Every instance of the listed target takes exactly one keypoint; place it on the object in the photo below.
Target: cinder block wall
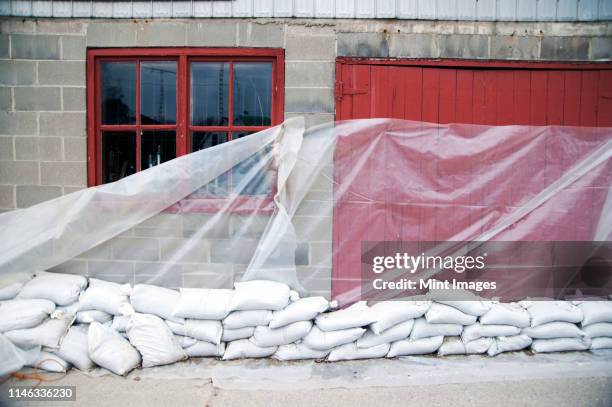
(42, 115)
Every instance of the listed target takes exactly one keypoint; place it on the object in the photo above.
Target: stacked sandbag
(597, 322)
(502, 323)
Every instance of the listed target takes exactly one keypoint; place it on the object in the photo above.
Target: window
(147, 106)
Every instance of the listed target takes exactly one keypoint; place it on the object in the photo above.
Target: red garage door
(489, 93)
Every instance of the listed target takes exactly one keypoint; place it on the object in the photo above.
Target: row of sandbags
(94, 322)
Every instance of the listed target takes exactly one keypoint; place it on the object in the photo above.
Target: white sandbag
(243, 319)
(62, 289)
(202, 349)
(244, 348)
(560, 344)
(445, 314)
(50, 362)
(303, 309)
(120, 323)
(74, 348)
(463, 300)
(476, 331)
(229, 335)
(87, 317)
(595, 312)
(105, 296)
(422, 346)
(185, 341)
(204, 303)
(395, 333)
(298, 351)
(350, 351)
(49, 334)
(601, 343)
(160, 301)
(324, 340)
(265, 336)
(553, 330)
(13, 358)
(23, 314)
(506, 314)
(598, 330)
(201, 329)
(509, 344)
(391, 313)
(542, 312)
(154, 340)
(260, 294)
(456, 346)
(11, 283)
(422, 329)
(110, 350)
(355, 316)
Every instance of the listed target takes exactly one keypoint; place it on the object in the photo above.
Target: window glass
(209, 93)
(200, 141)
(156, 147)
(252, 93)
(118, 92)
(253, 176)
(118, 155)
(158, 92)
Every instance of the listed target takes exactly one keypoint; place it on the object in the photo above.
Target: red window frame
(183, 128)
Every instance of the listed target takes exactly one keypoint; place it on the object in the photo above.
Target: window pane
(118, 155)
(252, 93)
(209, 93)
(158, 92)
(118, 92)
(156, 147)
(200, 141)
(253, 176)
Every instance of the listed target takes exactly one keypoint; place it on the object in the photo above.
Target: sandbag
(542, 312)
(204, 303)
(243, 319)
(105, 296)
(595, 312)
(445, 314)
(110, 350)
(422, 346)
(298, 351)
(506, 314)
(74, 348)
(154, 340)
(202, 349)
(601, 343)
(62, 289)
(11, 283)
(350, 351)
(265, 336)
(423, 329)
(260, 294)
(244, 348)
(303, 309)
(203, 330)
(395, 333)
(476, 331)
(150, 299)
(23, 314)
(509, 344)
(325, 340)
(391, 313)
(456, 346)
(560, 344)
(463, 300)
(13, 358)
(598, 330)
(120, 323)
(87, 317)
(229, 335)
(185, 341)
(50, 362)
(355, 316)
(553, 330)
(48, 334)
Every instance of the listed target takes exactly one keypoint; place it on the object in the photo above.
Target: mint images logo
(413, 264)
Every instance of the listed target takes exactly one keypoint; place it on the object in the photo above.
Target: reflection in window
(118, 155)
(252, 93)
(118, 92)
(253, 175)
(156, 147)
(209, 93)
(200, 141)
(158, 92)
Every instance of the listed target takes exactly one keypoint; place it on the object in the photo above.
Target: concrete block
(301, 254)
(261, 35)
(142, 269)
(237, 251)
(17, 26)
(413, 46)
(28, 195)
(62, 173)
(203, 223)
(371, 45)
(109, 33)
(102, 251)
(315, 208)
(61, 73)
(309, 100)
(6, 99)
(208, 276)
(185, 251)
(35, 46)
(211, 34)
(249, 226)
(74, 99)
(74, 47)
(71, 267)
(315, 278)
(313, 119)
(163, 220)
(464, 46)
(310, 47)
(157, 232)
(565, 48)
(54, 26)
(75, 149)
(37, 98)
(313, 228)
(18, 123)
(38, 148)
(320, 253)
(69, 190)
(19, 172)
(17, 72)
(513, 47)
(306, 74)
(104, 267)
(601, 48)
(158, 33)
(7, 196)
(4, 46)
(65, 124)
(6, 148)
(136, 248)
